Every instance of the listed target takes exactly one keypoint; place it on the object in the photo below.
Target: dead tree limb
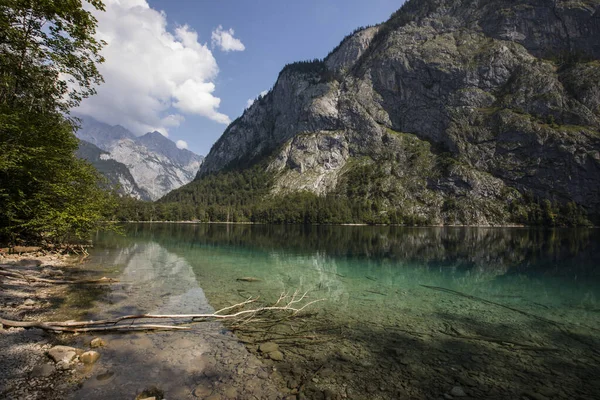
(292, 304)
(12, 274)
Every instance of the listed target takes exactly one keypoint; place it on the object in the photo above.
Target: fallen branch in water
(59, 327)
(12, 274)
(285, 303)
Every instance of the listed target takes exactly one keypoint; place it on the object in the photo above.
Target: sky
(187, 68)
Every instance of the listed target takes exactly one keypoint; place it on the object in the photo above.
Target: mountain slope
(154, 162)
(118, 174)
(463, 111)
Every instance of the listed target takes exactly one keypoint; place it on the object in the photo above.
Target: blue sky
(273, 33)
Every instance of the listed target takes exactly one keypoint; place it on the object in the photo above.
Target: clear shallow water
(408, 312)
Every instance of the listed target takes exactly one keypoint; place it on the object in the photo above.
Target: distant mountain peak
(155, 163)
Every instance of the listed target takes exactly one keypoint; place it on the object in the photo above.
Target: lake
(415, 313)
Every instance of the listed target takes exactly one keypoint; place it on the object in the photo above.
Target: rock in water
(65, 354)
(268, 347)
(202, 391)
(458, 391)
(276, 356)
(97, 342)
(89, 357)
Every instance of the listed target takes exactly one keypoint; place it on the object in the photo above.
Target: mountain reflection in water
(408, 312)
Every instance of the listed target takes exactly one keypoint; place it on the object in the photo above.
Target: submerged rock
(276, 356)
(268, 347)
(151, 393)
(202, 391)
(458, 391)
(89, 357)
(97, 342)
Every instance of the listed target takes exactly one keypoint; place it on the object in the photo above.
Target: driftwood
(286, 303)
(12, 274)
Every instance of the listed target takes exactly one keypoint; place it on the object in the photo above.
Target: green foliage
(46, 193)
(41, 40)
(315, 67)
(533, 211)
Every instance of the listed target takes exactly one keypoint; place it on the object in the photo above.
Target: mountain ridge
(154, 164)
(468, 112)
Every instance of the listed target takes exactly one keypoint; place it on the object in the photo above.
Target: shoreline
(504, 226)
(26, 369)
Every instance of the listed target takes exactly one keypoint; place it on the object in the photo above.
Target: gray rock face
(342, 59)
(117, 174)
(509, 91)
(145, 167)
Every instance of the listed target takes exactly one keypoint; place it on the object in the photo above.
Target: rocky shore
(35, 364)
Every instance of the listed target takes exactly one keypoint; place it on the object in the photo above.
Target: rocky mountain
(452, 111)
(154, 164)
(118, 174)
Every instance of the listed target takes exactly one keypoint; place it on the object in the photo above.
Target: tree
(49, 54)
(48, 64)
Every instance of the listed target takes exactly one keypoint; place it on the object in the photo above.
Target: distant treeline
(244, 196)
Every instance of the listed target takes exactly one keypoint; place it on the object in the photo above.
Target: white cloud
(149, 71)
(225, 40)
(181, 144)
(262, 94)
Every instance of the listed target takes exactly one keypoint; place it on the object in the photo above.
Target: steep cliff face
(155, 166)
(117, 174)
(459, 106)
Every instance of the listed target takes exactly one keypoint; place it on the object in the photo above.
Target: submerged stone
(458, 391)
(89, 357)
(276, 355)
(268, 347)
(97, 342)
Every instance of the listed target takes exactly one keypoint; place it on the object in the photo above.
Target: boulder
(65, 354)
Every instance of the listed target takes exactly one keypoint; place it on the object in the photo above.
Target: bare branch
(242, 317)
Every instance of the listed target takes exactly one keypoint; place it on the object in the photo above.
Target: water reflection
(464, 247)
(521, 312)
(156, 281)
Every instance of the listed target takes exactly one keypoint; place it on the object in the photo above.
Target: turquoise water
(405, 312)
